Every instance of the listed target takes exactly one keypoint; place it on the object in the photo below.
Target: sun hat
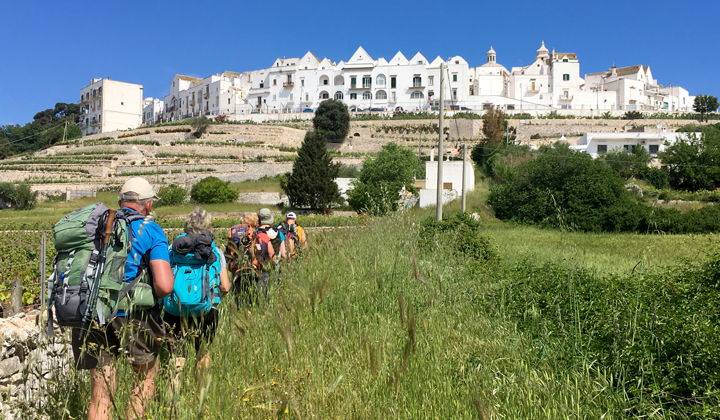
(265, 217)
(137, 189)
(291, 215)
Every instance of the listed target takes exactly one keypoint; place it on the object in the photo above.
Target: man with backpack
(138, 334)
(294, 234)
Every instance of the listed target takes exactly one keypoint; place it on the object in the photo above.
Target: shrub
(212, 190)
(18, 196)
(348, 171)
(493, 125)
(200, 124)
(633, 115)
(462, 234)
(535, 136)
(312, 181)
(171, 195)
(627, 164)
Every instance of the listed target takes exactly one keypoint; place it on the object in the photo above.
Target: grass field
(377, 323)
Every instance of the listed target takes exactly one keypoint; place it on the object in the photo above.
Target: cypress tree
(332, 118)
(312, 181)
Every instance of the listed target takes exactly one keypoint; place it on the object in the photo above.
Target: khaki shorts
(139, 337)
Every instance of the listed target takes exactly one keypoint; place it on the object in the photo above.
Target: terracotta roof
(188, 78)
(622, 71)
(232, 73)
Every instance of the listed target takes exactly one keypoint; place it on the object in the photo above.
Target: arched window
(339, 81)
(324, 80)
(380, 80)
(338, 95)
(367, 95)
(380, 94)
(324, 95)
(417, 95)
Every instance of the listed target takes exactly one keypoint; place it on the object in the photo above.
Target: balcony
(565, 98)
(206, 96)
(83, 100)
(364, 86)
(288, 85)
(416, 86)
(171, 108)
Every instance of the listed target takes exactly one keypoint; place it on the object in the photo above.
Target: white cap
(291, 215)
(137, 189)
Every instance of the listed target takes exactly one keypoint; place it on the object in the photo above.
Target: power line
(37, 134)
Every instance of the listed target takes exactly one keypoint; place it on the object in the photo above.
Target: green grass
(377, 323)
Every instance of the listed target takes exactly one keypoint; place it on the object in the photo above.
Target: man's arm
(163, 280)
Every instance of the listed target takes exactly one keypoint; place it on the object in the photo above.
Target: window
(566, 77)
(628, 148)
(454, 77)
(228, 101)
(353, 96)
(353, 82)
(431, 93)
(431, 80)
(602, 148)
(274, 97)
(381, 94)
(565, 60)
(207, 88)
(324, 95)
(274, 82)
(393, 82)
(416, 95)
(367, 95)
(338, 95)
(173, 84)
(367, 82)
(455, 94)
(307, 97)
(654, 148)
(393, 96)
(380, 80)
(417, 81)
(292, 97)
(262, 85)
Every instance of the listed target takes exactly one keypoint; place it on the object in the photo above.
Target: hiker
(241, 255)
(138, 333)
(294, 234)
(200, 278)
(269, 247)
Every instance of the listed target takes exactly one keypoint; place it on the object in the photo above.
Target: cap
(291, 215)
(138, 189)
(265, 217)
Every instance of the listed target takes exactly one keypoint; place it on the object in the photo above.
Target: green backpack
(87, 284)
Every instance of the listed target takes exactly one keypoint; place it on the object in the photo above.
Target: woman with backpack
(200, 272)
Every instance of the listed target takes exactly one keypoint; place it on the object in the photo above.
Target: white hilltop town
(297, 85)
(121, 137)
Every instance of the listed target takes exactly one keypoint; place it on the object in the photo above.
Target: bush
(171, 195)
(348, 171)
(200, 124)
(627, 164)
(18, 196)
(312, 180)
(462, 233)
(633, 115)
(212, 190)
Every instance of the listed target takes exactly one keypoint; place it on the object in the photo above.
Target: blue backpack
(196, 287)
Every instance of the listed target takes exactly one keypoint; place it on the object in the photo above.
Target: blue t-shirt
(147, 236)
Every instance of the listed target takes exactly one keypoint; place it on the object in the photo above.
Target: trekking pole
(43, 284)
(99, 268)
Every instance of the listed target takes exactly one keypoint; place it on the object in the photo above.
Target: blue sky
(50, 50)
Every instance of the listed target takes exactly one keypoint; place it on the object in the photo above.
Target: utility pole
(438, 213)
(64, 131)
(463, 176)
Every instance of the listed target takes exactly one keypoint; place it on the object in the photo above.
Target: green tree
(333, 120)
(493, 125)
(633, 115)
(705, 104)
(200, 125)
(212, 190)
(694, 163)
(18, 196)
(627, 165)
(47, 128)
(312, 181)
(561, 187)
(377, 189)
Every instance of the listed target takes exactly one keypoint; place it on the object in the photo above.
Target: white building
(152, 111)
(598, 143)
(109, 105)
(636, 89)
(452, 181)
(219, 94)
